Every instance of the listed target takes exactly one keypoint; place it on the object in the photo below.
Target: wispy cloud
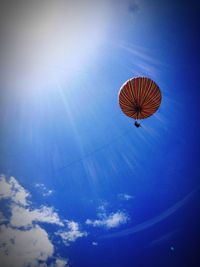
(152, 221)
(112, 220)
(44, 190)
(125, 197)
(61, 263)
(72, 233)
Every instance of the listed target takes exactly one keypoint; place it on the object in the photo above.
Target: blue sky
(74, 168)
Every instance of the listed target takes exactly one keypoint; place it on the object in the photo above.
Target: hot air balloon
(139, 98)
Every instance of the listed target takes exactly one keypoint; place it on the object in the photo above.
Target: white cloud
(47, 193)
(94, 243)
(44, 190)
(22, 217)
(61, 263)
(102, 208)
(20, 248)
(2, 218)
(112, 220)
(125, 197)
(11, 189)
(72, 233)
(39, 185)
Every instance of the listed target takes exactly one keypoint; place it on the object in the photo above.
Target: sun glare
(57, 35)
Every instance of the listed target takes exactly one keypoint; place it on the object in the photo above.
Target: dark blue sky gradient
(79, 143)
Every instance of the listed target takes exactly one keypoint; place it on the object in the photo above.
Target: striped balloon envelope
(139, 98)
